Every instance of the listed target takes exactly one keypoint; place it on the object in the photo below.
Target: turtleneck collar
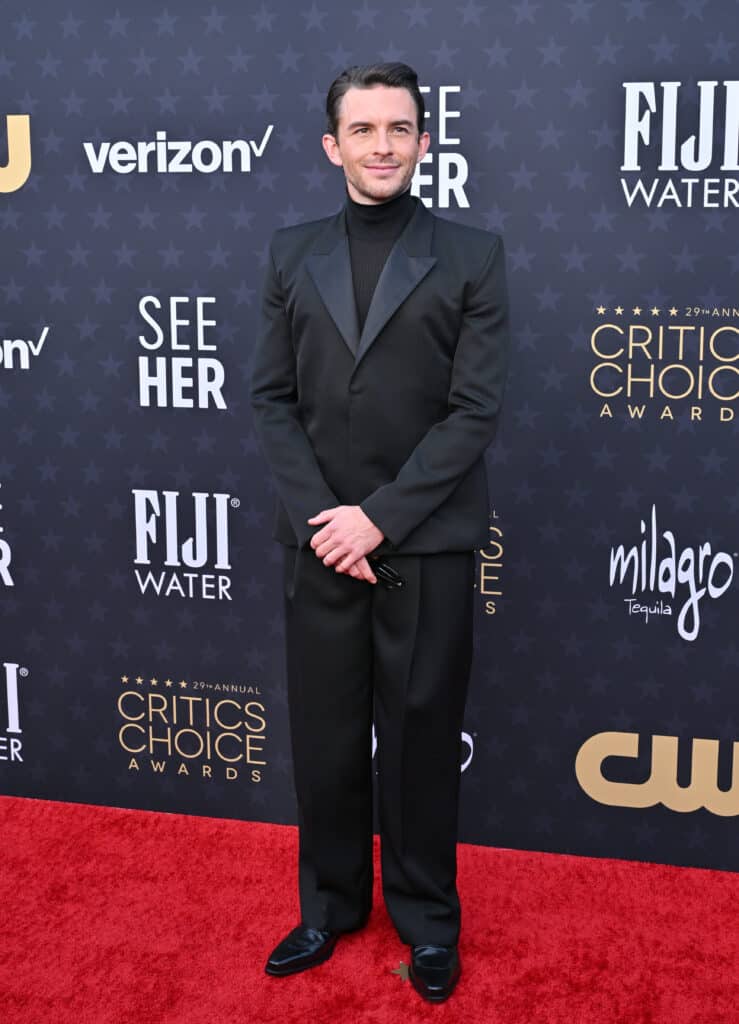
(379, 220)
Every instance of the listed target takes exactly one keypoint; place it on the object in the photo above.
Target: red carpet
(111, 916)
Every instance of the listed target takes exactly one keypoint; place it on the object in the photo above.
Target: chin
(381, 193)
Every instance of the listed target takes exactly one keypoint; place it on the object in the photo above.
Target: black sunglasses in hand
(385, 573)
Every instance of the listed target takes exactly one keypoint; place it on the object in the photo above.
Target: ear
(331, 149)
(424, 141)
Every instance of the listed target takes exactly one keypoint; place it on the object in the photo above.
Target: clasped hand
(346, 537)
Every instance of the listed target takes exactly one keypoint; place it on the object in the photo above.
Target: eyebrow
(368, 124)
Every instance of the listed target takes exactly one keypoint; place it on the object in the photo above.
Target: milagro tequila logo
(11, 744)
(161, 521)
(654, 572)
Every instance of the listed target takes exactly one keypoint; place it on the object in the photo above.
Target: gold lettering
(130, 693)
(257, 718)
(217, 714)
(14, 174)
(712, 344)
(682, 369)
(604, 366)
(252, 746)
(631, 379)
(227, 736)
(645, 343)
(121, 740)
(495, 549)
(662, 785)
(158, 706)
(487, 576)
(594, 335)
(712, 378)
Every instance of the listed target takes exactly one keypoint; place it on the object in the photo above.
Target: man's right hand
(361, 570)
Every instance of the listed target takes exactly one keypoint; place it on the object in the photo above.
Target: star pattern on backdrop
(541, 121)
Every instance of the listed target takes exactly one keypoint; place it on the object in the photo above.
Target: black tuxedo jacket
(395, 419)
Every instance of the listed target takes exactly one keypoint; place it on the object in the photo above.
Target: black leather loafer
(302, 948)
(434, 971)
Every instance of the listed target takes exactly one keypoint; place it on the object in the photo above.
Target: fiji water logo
(11, 739)
(656, 569)
(162, 523)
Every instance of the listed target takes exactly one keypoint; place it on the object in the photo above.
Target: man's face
(377, 142)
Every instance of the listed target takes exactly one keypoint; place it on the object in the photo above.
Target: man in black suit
(377, 380)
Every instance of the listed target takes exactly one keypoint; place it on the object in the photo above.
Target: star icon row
(139, 680)
(636, 310)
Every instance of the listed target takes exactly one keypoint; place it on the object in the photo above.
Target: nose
(383, 142)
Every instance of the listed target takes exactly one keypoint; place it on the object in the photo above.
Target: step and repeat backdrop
(146, 156)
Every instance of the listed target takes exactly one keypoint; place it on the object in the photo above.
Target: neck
(379, 219)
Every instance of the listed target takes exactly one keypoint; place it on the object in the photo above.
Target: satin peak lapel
(332, 274)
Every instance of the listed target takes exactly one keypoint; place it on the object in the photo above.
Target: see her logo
(14, 174)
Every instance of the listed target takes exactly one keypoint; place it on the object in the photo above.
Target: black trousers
(357, 650)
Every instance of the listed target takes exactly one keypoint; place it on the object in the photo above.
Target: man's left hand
(347, 536)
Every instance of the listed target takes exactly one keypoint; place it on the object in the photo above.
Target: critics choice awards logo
(693, 153)
(187, 727)
(659, 575)
(11, 743)
(185, 541)
(178, 325)
(490, 567)
(653, 363)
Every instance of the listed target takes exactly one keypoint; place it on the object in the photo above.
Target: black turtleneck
(373, 230)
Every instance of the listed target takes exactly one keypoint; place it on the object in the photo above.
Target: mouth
(381, 168)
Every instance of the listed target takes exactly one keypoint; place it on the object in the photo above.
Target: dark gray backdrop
(559, 659)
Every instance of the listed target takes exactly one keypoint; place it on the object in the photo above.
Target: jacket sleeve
(449, 449)
(274, 402)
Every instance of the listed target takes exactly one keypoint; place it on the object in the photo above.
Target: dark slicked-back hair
(391, 73)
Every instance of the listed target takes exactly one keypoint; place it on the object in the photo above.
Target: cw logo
(15, 172)
(662, 785)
